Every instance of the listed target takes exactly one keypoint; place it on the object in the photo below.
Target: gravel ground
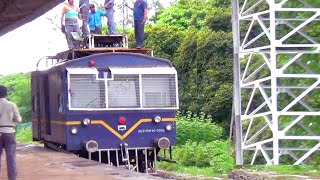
(38, 163)
(237, 175)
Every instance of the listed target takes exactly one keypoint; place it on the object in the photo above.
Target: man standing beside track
(9, 114)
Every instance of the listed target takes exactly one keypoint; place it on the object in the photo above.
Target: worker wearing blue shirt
(140, 15)
(95, 23)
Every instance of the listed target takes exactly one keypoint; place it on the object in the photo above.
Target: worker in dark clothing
(108, 4)
(9, 115)
(69, 23)
(140, 12)
(84, 11)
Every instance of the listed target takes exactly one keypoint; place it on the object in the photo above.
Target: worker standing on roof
(95, 22)
(108, 4)
(69, 23)
(140, 12)
(84, 11)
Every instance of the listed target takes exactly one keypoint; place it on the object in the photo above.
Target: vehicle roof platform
(148, 51)
(96, 44)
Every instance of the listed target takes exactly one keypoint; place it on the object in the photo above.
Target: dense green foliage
(215, 154)
(24, 133)
(196, 13)
(19, 91)
(197, 128)
(199, 145)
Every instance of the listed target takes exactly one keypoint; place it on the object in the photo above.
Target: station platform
(39, 163)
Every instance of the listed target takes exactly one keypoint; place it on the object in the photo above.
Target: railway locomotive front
(116, 108)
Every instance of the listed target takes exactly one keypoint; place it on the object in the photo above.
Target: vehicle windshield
(123, 91)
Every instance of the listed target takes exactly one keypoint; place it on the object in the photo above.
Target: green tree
(19, 87)
(164, 39)
(198, 13)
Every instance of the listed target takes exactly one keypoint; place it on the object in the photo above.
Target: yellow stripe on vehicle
(168, 119)
(73, 122)
(135, 126)
(108, 127)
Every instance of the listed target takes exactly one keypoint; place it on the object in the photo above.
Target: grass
(24, 133)
(192, 170)
(178, 168)
(310, 170)
(307, 170)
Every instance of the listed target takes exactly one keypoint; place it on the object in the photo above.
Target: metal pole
(236, 81)
(123, 5)
(274, 74)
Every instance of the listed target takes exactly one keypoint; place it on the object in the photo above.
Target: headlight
(74, 130)
(162, 143)
(157, 119)
(86, 121)
(91, 146)
(169, 127)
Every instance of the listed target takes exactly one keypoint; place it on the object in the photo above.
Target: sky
(22, 48)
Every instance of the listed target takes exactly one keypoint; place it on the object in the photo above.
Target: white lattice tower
(279, 80)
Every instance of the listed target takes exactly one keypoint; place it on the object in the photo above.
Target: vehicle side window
(34, 104)
(60, 103)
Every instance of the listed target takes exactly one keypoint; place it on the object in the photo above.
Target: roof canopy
(15, 13)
